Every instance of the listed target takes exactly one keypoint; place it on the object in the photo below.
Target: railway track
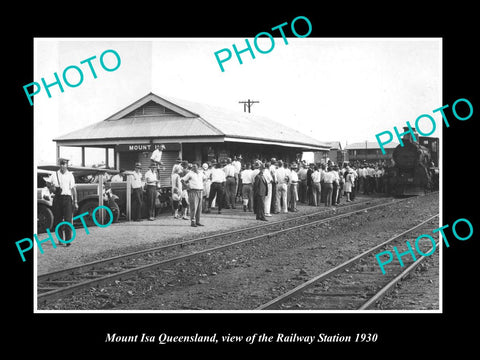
(58, 284)
(354, 284)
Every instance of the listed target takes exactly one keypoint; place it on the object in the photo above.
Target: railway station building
(370, 151)
(188, 130)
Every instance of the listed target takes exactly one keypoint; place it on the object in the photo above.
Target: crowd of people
(267, 187)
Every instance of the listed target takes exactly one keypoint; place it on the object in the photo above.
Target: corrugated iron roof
(194, 120)
(140, 127)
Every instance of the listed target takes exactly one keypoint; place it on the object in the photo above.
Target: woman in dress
(348, 183)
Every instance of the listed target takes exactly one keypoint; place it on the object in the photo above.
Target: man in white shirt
(247, 187)
(157, 155)
(151, 181)
(230, 185)
(336, 185)
(238, 167)
(217, 187)
(370, 179)
(292, 197)
(281, 178)
(317, 186)
(268, 198)
(273, 169)
(65, 200)
(328, 179)
(194, 182)
(137, 193)
(361, 178)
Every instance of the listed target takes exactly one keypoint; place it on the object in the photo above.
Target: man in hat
(151, 180)
(65, 200)
(137, 193)
(260, 190)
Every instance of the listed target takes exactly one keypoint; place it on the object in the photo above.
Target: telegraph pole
(248, 104)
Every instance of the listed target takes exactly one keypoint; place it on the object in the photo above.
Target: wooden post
(57, 154)
(116, 156)
(106, 158)
(129, 198)
(83, 156)
(100, 196)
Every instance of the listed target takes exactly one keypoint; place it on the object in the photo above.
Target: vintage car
(162, 202)
(86, 180)
(114, 196)
(44, 201)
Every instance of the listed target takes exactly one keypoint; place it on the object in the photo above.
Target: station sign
(146, 147)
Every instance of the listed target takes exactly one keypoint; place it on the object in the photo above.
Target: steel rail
(282, 298)
(122, 275)
(393, 282)
(95, 264)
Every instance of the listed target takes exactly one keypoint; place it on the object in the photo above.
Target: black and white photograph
(248, 186)
(240, 179)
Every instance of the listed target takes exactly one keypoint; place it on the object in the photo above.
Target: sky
(332, 89)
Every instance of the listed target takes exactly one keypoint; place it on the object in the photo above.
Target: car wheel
(44, 219)
(90, 206)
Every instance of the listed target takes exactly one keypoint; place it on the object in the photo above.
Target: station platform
(123, 237)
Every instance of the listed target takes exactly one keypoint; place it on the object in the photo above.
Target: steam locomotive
(415, 169)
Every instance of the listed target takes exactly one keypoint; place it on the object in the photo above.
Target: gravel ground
(418, 291)
(247, 276)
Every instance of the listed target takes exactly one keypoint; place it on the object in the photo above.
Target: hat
(62, 161)
(138, 165)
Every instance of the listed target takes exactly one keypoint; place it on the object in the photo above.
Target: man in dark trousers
(137, 193)
(260, 190)
(65, 200)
